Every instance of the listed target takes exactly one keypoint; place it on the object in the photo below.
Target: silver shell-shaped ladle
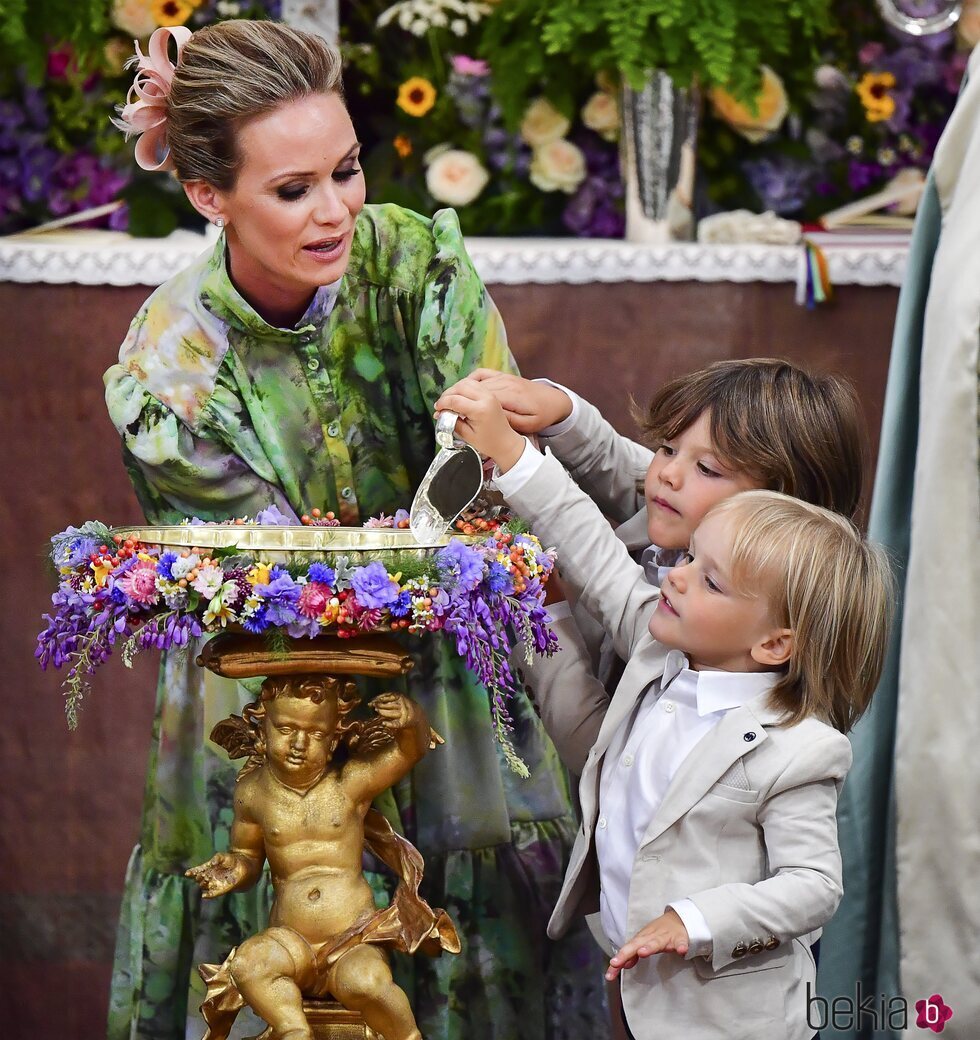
(451, 483)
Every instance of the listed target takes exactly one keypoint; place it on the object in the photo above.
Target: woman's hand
(666, 934)
(482, 422)
(529, 406)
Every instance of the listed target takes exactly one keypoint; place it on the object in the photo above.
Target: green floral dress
(222, 415)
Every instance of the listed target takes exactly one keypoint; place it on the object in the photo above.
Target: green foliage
(542, 46)
(29, 28)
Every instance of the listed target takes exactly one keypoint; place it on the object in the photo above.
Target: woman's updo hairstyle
(231, 72)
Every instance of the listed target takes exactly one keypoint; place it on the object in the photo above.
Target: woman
(297, 366)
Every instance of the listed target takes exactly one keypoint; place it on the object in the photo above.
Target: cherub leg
(265, 969)
(361, 980)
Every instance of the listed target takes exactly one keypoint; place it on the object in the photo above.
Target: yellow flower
(873, 89)
(403, 145)
(172, 12)
(101, 568)
(416, 96)
(259, 574)
(771, 106)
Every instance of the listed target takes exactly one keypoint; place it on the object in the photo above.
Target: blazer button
(748, 737)
(739, 950)
(772, 942)
(756, 946)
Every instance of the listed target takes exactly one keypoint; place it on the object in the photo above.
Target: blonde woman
(297, 366)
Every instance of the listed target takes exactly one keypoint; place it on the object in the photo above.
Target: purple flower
(164, 564)
(782, 184)
(401, 606)
(274, 516)
(499, 579)
(373, 586)
(72, 547)
(280, 597)
(460, 567)
(322, 573)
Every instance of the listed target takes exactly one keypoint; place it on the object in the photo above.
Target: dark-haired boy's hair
(790, 430)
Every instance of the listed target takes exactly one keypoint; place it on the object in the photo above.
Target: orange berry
(304, 519)
(315, 512)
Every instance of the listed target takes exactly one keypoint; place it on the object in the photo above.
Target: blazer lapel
(645, 665)
(711, 758)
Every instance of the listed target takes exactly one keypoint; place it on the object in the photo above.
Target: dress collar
(716, 690)
(222, 299)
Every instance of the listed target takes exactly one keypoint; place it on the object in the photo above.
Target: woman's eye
(346, 175)
(292, 194)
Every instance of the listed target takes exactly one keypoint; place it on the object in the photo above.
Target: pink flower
(871, 52)
(463, 65)
(140, 584)
(60, 61)
(313, 599)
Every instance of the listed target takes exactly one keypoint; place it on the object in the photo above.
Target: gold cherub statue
(310, 815)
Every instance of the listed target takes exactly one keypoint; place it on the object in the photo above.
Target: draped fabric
(911, 911)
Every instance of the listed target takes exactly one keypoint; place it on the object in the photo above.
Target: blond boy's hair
(828, 584)
(790, 430)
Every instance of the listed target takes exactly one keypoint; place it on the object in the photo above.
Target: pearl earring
(219, 222)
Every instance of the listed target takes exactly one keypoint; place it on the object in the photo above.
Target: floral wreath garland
(488, 596)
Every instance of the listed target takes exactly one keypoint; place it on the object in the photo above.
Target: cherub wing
(236, 736)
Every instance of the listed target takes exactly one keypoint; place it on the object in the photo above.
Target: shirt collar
(716, 690)
(222, 299)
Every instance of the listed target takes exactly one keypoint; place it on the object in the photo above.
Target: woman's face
(290, 216)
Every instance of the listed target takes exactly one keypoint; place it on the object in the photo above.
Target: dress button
(347, 492)
(627, 760)
(669, 706)
(313, 364)
(602, 822)
(333, 429)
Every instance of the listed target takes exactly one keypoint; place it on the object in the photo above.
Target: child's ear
(775, 648)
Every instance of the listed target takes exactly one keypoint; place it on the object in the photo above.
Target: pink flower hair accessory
(146, 113)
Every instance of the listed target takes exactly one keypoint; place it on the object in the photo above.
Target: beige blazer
(747, 829)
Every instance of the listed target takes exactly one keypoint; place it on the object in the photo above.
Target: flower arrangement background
(508, 111)
(487, 594)
(61, 77)
(871, 110)
(435, 134)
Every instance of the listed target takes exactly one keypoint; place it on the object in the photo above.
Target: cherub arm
(241, 866)
(405, 737)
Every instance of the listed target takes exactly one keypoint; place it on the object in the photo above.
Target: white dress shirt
(643, 757)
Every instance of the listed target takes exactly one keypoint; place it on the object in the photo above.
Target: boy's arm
(568, 696)
(393, 743)
(609, 467)
(799, 821)
(594, 563)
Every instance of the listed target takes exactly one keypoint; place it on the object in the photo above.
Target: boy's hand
(482, 422)
(529, 406)
(666, 934)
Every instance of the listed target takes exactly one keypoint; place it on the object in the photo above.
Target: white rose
(542, 123)
(968, 26)
(134, 17)
(601, 114)
(456, 177)
(557, 166)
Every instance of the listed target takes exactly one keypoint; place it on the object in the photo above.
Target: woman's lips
(326, 249)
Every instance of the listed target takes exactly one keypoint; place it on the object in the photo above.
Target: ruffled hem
(509, 982)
